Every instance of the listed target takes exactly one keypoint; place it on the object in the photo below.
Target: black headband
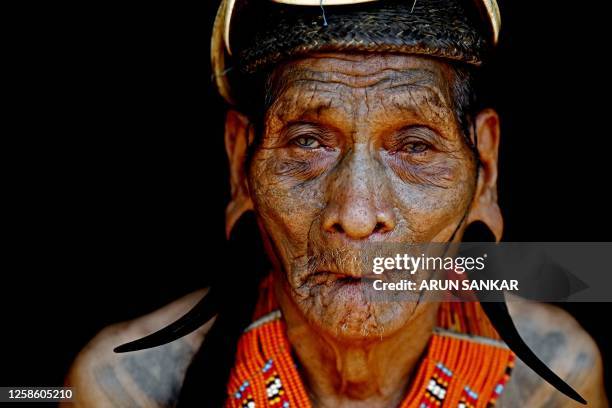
(271, 32)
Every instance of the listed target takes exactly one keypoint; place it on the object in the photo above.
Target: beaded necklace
(466, 364)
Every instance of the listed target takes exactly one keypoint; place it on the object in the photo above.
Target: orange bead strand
(466, 365)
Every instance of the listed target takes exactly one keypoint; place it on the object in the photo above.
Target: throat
(374, 373)
(359, 378)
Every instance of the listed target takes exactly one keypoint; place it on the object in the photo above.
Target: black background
(115, 175)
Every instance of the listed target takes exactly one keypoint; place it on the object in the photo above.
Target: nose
(359, 206)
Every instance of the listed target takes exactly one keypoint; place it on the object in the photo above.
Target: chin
(342, 309)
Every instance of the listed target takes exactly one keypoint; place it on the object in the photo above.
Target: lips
(342, 264)
(345, 264)
(329, 278)
(346, 273)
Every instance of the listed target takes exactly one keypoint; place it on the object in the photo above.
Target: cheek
(287, 198)
(429, 209)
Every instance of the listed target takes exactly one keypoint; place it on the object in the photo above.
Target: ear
(484, 207)
(238, 136)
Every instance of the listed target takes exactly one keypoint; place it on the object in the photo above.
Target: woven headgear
(251, 35)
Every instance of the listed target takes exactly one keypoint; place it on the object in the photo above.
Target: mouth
(322, 277)
(331, 287)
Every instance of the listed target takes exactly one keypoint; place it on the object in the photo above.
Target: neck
(367, 373)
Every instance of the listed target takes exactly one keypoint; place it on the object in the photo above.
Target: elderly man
(353, 123)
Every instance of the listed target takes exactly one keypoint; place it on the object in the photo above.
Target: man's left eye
(307, 142)
(415, 147)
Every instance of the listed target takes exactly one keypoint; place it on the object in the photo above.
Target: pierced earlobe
(239, 135)
(234, 211)
(478, 231)
(484, 206)
(491, 217)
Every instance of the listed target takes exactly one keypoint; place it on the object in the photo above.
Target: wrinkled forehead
(395, 81)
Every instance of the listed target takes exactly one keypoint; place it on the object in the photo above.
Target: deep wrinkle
(356, 151)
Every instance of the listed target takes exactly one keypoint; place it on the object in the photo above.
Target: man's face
(357, 150)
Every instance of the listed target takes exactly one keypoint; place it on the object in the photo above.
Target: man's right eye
(307, 142)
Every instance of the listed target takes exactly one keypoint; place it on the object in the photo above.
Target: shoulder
(147, 378)
(558, 340)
